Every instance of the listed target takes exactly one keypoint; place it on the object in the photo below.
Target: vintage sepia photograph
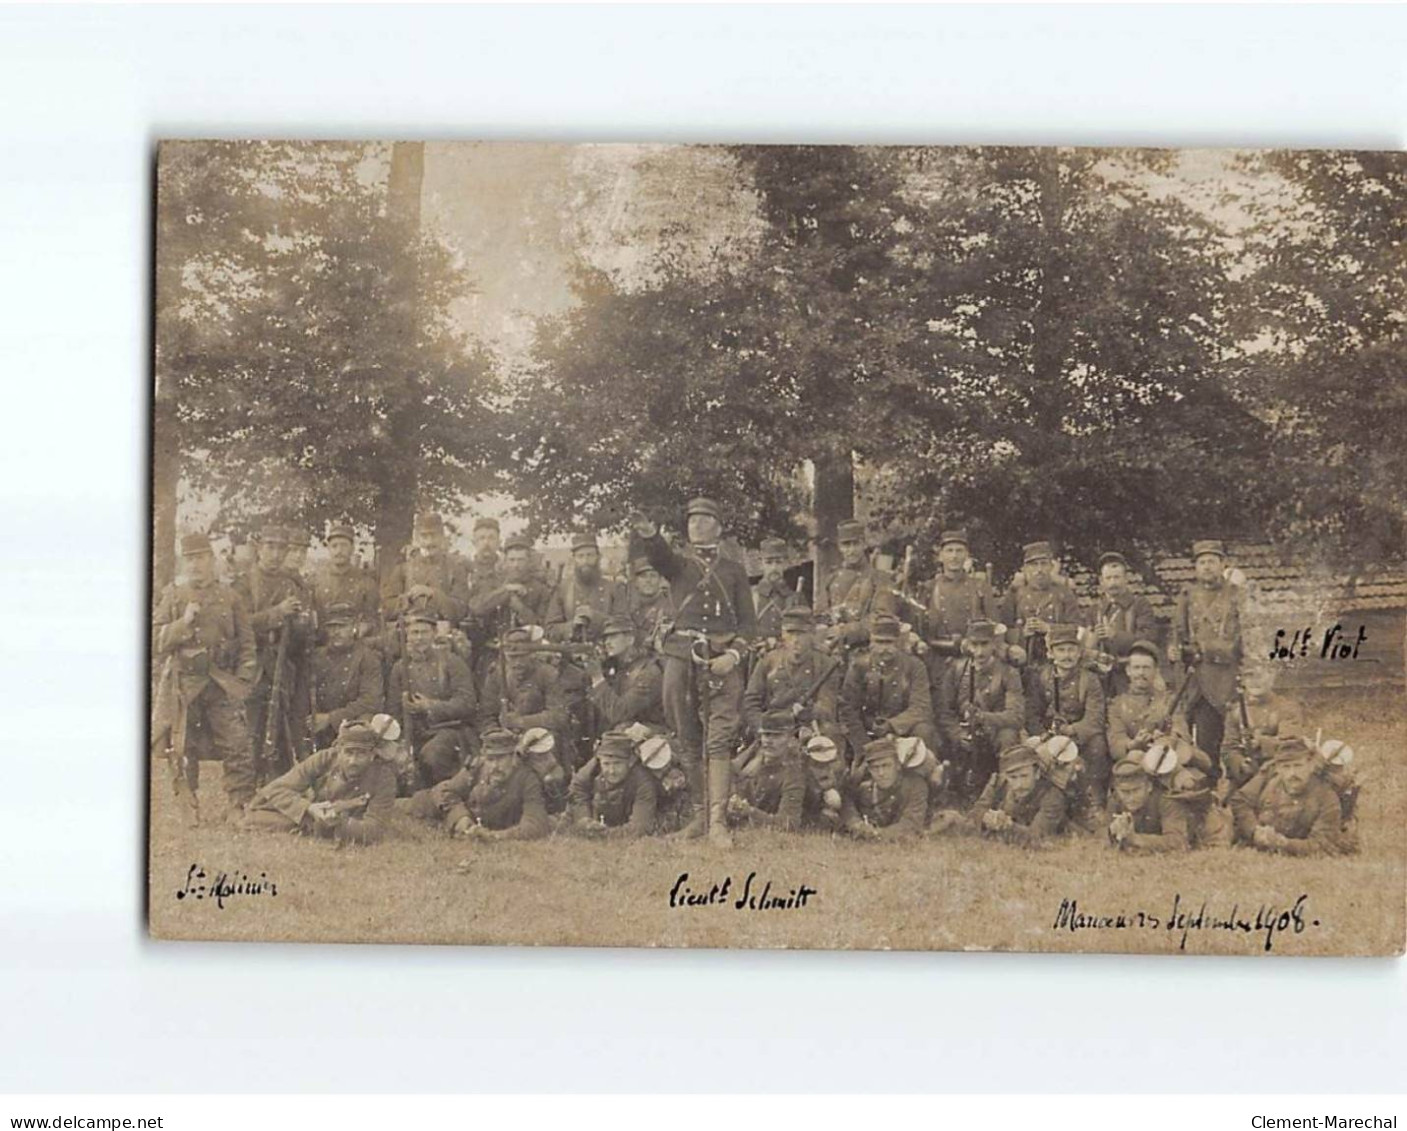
(786, 546)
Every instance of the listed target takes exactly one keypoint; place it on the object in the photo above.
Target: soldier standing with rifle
(202, 635)
(858, 590)
(280, 614)
(714, 623)
(1206, 637)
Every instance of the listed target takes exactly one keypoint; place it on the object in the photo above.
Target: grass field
(935, 894)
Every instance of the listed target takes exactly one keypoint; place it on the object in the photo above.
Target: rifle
(967, 727)
(505, 704)
(176, 756)
(578, 648)
(274, 713)
(700, 655)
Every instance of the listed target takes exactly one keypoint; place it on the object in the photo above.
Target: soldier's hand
(1265, 837)
(1120, 826)
(641, 525)
(724, 664)
(831, 800)
(188, 617)
(417, 703)
(321, 720)
(1102, 631)
(1016, 655)
(584, 614)
(1037, 626)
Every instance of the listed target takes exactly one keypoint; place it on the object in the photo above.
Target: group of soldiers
(685, 700)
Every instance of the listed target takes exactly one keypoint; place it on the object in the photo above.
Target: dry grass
(938, 894)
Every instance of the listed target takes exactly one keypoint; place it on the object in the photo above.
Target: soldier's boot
(697, 823)
(720, 786)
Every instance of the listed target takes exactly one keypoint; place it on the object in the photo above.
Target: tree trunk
(833, 499)
(399, 489)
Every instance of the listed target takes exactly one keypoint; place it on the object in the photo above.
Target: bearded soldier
(485, 539)
(434, 692)
(714, 623)
(500, 799)
(340, 582)
(1254, 722)
(858, 590)
(980, 708)
(504, 597)
(891, 803)
(613, 795)
(1120, 617)
(584, 598)
(628, 685)
(1287, 808)
(886, 692)
(1142, 711)
(345, 793)
(783, 678)
(959, 596)
(1207, 634)
(431, 578)
(1019, 805)
(772, 595)
(1036, 600)
(281, 616)
(1068, 700)
(202, 637)
(346, 677)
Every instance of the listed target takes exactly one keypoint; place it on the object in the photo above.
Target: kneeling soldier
(1143, 817)
(1067, 699)
(891, 803)
(1287, 807)
(434, 691)
(344, 792)
(1253, 724)
(1018, 806)
(773, 794)
(502, 800)
(980, 706)
(619, 798)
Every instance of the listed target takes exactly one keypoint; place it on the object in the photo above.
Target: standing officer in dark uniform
(714, 623)
(202, 636)
(1206, 631)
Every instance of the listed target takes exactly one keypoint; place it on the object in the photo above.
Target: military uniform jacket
(629, 806)
(780, 679)
(1130, 618)
(347, 684)
(1055, 604)
(897, 690)
(444, 679)
(494, 607)
(771, 599)
(265, 590)
(1131, 713)
(1209, 618)
(607, 597)
(634, 694)
(777, 789)
(957, 601)
(1161, 824)
(995, 689)
(539, 696)
(648, 616)
(855, 595)
(1268, 718)
(1037, 816)
(894, 813)
(445, 574)
(1077, 698)
(218, 646)
(1313, 821)
(317, 778)
(349, 586)
(515, 807)
(710, 593)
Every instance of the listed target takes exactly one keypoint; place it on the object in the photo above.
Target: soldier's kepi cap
(884, 627)
(498, 743)
(339, 614)
(777, 722)
(880, 750)
(981, 631)
(1289, 748)
(420, 615)
(642, 565)
(340, 530)
(702, 505)
(949, 536)
(516, 542)
(798, 616)
(1015, 758)
(429, 522)
(585, 540)
(1113, 556)
(486, 523)
(1036, 552)
(516, 642)
(358, 735)
(1063, 634)
(1130, 768)
(274, 535)
(851, 530)
(1146, 648)
(615, 744)
(192, 544)
(617, 625)
(1208, 546)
